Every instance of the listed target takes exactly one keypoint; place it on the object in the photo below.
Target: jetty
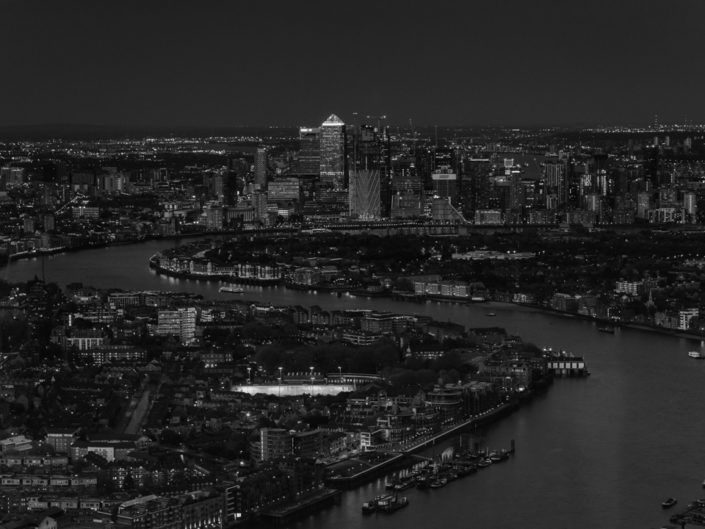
(302, 506)
(400, 455)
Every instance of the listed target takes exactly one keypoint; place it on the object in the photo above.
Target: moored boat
(422, 482)
(670, 502)
(390, 504)
(372, 506)
(696, 354)
(438, 483)
(497, 457)
(231, 290)
(405, 484)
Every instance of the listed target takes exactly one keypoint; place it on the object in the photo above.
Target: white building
(180, 322)
(684, 317)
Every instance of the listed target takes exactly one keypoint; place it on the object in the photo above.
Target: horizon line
(142, 127)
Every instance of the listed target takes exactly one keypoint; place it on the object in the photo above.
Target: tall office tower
(333, 153)
(309, 151)
(259, 204)
(445, 184)
(261, 167)
(405, 189)
(369, 148)
(444, 157)
(424, 166)
(516, 192)
(364, 192)
(555, 180)
(160, 177)
(217, 183)
(406, 206)
(405, 180)
(533, 193)
(372, 147)
(690, 205)
(476, 185)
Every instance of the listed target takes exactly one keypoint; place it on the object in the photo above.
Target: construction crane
(378, 118)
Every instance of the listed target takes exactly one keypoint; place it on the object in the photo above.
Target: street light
(280, 381)
(340, 374)
(249, 380)
(311, 370)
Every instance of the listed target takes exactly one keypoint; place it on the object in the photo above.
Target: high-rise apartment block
(179, 322)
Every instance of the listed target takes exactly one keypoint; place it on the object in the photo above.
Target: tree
(128, 483)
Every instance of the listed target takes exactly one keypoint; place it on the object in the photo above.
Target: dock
(302, 507)
(401, 455)
(567, 366)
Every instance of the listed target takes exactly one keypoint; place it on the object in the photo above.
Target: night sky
(228, 63)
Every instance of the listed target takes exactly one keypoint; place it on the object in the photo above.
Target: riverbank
(588, 437)
(602, 321)
(409, 297)
(33, 254)
(220, 278)
(402, 456)
(302, 507)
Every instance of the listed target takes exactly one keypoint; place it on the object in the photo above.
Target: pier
(403, 453)
(564, 365)
(302, 507)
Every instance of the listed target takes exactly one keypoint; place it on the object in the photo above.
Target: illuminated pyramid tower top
(332, 120)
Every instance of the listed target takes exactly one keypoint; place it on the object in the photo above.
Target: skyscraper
(445, 184)
(309, 151)
(261, 167)
(259, 204)
(370, 149)
(333, 153)
(364, 194)
(476, 173)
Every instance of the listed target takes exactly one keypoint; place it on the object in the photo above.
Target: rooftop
(332, 120)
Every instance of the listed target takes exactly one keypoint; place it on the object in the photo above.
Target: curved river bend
(601, 452)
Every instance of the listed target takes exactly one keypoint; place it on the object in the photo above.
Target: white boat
(232, 290)
(695, 354)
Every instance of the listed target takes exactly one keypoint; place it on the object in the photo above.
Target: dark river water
(601, 452)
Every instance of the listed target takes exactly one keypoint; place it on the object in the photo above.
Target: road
(138, 414)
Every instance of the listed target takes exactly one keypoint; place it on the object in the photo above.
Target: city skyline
(509, 64)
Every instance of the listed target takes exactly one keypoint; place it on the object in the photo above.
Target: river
(601, 452)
